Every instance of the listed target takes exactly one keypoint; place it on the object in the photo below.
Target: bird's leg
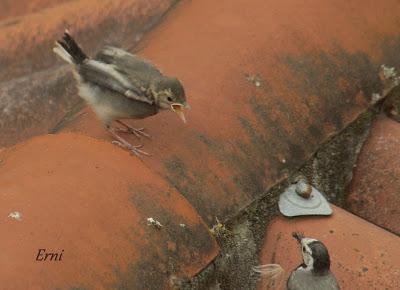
(125, 144)
(136, 131)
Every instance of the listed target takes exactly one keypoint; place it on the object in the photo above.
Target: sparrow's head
(315, 254)
(169, 94)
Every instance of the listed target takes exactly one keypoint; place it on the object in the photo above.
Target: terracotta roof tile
(27, 42)
(11, 10)
(92, 200)
(35, 90)
(268, 84)
(374, 192)
(363, 256)
(311, 69)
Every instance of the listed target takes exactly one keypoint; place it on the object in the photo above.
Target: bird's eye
(304, 249)
(169, 99)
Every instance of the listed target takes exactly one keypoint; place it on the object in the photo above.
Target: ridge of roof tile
(26, 44)
(268, 85)
(18, 8)
(363, 256)
(374, 190)
(93, 203)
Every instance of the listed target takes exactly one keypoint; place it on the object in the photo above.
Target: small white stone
(15, 215)
(182, 225)
(153, 222)
(375, 97)
(388, 72)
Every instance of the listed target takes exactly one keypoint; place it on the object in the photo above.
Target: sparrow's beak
(178, 109)
(298, 236)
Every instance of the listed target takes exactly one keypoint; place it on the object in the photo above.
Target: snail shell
(303, 188)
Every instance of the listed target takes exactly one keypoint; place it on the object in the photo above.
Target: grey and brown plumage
(119, 85)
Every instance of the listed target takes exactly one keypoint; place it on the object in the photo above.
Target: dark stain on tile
(281, 137)
(166, 251)
(192, 183)
(335, 78)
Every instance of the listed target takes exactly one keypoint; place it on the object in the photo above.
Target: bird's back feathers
(112, 69)
(306, 280)
(110, 77)
(134, 67)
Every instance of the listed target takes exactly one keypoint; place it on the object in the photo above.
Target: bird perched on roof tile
(119, 85)
(313, 274)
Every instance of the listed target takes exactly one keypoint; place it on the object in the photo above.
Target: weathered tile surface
(375, 190)
(92, 200)
(363, 256)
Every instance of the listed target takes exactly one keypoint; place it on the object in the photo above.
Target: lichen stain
(390, 48)
(336, 78)
(191, 183)
(282, 130)
(157, 260)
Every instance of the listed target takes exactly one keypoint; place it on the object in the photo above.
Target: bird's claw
(126, 145)
(134, 149)
(138, 132)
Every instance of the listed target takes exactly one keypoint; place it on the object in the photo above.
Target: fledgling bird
(313, 274)
(119, 85)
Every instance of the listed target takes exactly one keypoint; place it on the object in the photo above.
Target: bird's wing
(127, 62)
(108, 76)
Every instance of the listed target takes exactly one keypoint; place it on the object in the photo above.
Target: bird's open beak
(298, 236)
(178, 109)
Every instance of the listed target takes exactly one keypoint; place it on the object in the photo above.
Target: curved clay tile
(11, 10)
(374, 191)
(90, 201)
(26, 41)
(268, 85)
(35, 90)
(363, 256)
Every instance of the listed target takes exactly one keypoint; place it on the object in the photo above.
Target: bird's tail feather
(69, 50)
(271, 273)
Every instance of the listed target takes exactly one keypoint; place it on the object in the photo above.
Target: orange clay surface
(363, 256)
(316, 66)
(268, 82)
(26, 41)
(11, 9)
(36, 91)
(375, 190)
(92, 200)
